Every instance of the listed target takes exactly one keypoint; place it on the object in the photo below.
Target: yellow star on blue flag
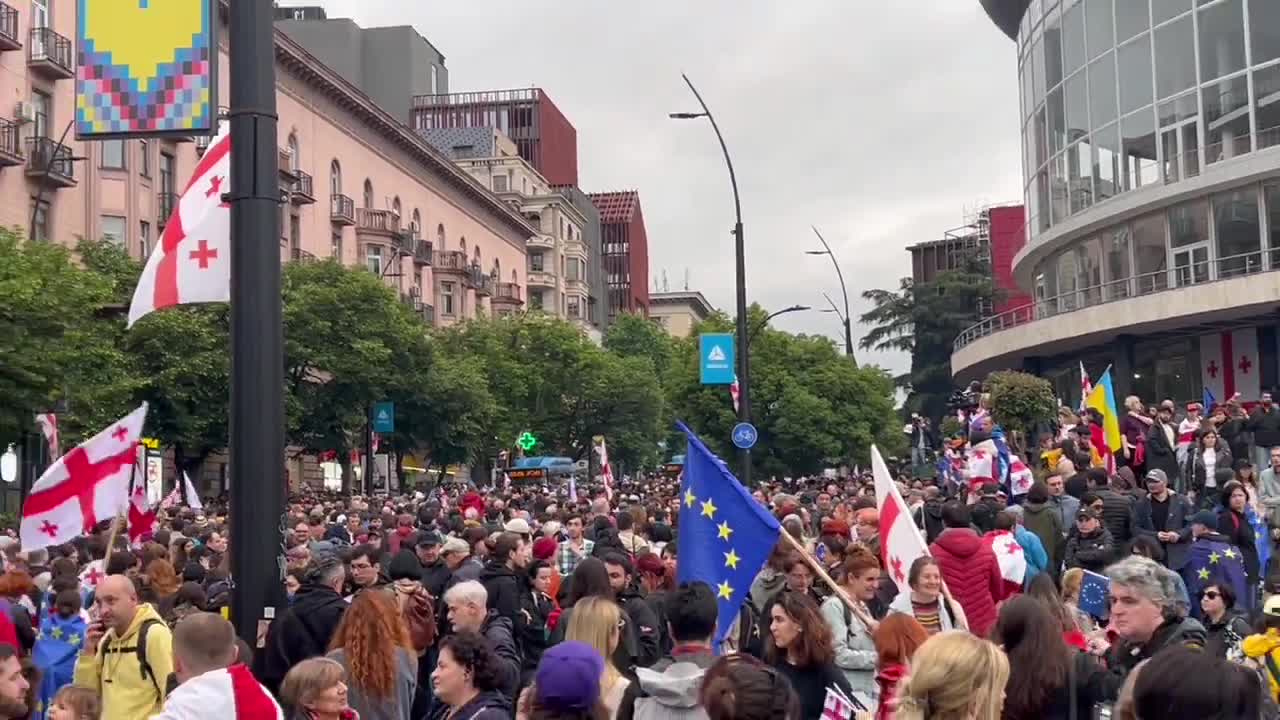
(725, 536)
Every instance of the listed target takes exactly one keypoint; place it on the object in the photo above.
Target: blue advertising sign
(715, 353)
(384, 417)
(745, 436)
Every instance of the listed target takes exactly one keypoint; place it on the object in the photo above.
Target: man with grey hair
(468, 607)
(1144, 613)
(305, 629)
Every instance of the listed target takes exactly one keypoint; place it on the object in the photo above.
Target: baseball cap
(1088, 513)
(519, 526)
(1272, 606)
(455, 545)
(427, 538)
(1205, 517)
(1157, 474)
(568, 677)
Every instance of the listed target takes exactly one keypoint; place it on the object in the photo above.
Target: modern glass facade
(1121, 94)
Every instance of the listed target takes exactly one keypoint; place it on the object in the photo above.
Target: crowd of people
(518, 602)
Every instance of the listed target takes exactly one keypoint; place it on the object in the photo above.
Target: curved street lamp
(744, 363)
(761, 325)
(845, 319)
(9, 466)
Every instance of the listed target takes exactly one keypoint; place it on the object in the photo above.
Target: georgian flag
(900, 541)
(85, 486)
(48, 423)
(142, 518)
(227, 694)
(1013, 563)
(192, 261)
(980, 468)
(1020, 477)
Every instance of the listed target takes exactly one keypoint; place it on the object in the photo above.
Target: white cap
(519, 526)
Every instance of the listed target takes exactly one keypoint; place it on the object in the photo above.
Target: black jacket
(504, 589)
(929, 519)
(1094, 552)
(1175, 553)
(436, 577)
(1117, 515)
(1265, 427)
(1239, 532)
(531, 629)
(1194, 471)
(1218, 636)
(648, 648)
(1163, 455)
(303, 631)
(1235, 432)
(488, 705)
(1124, 656)
(497, 630)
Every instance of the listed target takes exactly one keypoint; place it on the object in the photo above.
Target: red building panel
(625, 245)
(557, 145)
(1008, 236)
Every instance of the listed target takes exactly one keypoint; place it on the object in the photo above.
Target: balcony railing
(1175, 278)
(303, 189)
(285, 160)
(10, 147)
(450, 261)
(50, 160)
(383, 222)
(300, 255)
(342, 209)
(165, 203)
(507, 292)
(9, 39)
(481, 281)
(422, 252)
(50, 53)
(429, 314)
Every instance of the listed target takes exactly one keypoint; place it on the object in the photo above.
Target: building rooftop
(616, 207)
(692, 298)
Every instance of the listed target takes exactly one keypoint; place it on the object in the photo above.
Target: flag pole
(821, 572)
(116, 522)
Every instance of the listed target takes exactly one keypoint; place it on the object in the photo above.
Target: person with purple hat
(566, 686)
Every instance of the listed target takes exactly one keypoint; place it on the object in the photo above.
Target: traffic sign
(384, 417)
(745, 436)
(715, 353)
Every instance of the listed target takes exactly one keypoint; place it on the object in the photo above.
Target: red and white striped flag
(192, 261)
(837, 707)
(605, 471)
(735, 392)
(48, 423)
(1086, 387)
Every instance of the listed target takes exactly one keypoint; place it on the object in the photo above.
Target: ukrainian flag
(1103, 400)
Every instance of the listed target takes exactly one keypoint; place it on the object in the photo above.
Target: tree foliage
(924, 320)
(1021, 402)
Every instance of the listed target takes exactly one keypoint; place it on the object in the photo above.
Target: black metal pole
(366, 479)
(257, 346)
(739, 249)
(44, 177)
(848, 332)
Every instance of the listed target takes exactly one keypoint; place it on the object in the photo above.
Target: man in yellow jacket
(128, 653)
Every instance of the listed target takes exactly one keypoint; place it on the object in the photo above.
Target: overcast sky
(883, 123)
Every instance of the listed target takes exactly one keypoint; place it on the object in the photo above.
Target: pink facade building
(360, 185)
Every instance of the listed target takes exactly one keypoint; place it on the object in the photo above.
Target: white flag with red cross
(837, 706)
(48, 423)
(192, 261)
(900, 541)
(1020, 477)
(1013, 563)
(142, 517)
(88, 484)
(92, 574)
(1229, 364)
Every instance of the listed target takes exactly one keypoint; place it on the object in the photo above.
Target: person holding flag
(1105, 428)
(62, 635)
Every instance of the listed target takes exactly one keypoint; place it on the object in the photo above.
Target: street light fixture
(845, 319)
(761, 325)
(744, 361)
(9, 466)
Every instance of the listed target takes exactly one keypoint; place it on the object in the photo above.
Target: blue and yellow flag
(1103, 399)
(57, 645)
(725, 535)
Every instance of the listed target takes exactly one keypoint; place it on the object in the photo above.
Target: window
(112, 154)
(1175, 58)
(1162, 10)
(574, 270)
(167, 173)
(1135, 74)
(1102, 90)
(575, 307)
(1189, 223)
(1106, 176)
(1138, 134)
(335, 245)
(144, 239)
(1073, 52)
(44, 110)
(1150, 257)
(1235, 219)
(499, 183)
(294, 160)
(40, 226)
(373, 259)
(1264, 31)
(144, 158)
(535, 299)
(295, 232)
(113, 229)
(335, 178)
(1077, 107)
(1098, 26)
(1115, 244)
(440, 237)
(368, 193)
(1131, 18)
(1272, 197)
(435, 80)
(446, 298)
(1266, 91)
(536, 262)
(1226, 120)
(417, 221)
(1222, 38)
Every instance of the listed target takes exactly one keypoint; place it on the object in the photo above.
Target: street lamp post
(744, 360)
(848, 331)
(761, 325)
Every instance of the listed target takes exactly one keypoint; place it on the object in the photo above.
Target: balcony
(302, 256)
(421, 252)
(10, 147)
(377, 222)
(303, 190)
(9, 38)
(50, 54)
(508, 294)
(542, 278)
(285, 159)
(429, 314)
(545, 242)
(165, 203)
(482, 282)
(450, 261)
(342, 210)
(50, 162)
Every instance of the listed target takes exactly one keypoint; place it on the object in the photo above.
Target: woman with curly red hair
(372, 644)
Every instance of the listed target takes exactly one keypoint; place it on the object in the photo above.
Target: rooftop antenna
(666, 286)
(686, 279)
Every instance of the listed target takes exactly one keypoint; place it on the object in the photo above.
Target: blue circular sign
(745, 436)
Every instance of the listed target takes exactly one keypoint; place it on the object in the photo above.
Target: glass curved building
(1151, 167)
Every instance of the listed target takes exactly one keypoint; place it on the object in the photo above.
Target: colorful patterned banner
(145, 67)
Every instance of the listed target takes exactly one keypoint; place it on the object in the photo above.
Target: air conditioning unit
(25, 112)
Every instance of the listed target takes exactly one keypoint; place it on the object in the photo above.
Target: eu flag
(725, 535)
(1214, 561)
(57, 646)
(1094, 589)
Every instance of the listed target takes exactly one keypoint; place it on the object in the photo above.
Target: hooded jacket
(972, 575)
(855, 650)
(1261, 647)
(504, 589)
(303, 631)
(929, 519)
(488, 705)
(765, 586)
(648, 647)
(497, 630)
(669, 689)
(115, 671)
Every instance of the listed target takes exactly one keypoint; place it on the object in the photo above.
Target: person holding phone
(128, 652)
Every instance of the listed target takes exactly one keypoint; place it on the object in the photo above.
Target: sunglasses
(1212, 594)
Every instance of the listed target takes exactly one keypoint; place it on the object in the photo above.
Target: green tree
(1021, 403)
(633, 335)
(924, 320)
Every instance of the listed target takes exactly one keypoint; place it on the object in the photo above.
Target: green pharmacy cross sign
(526, 441)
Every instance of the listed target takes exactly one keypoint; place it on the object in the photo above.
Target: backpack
(140, 649)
